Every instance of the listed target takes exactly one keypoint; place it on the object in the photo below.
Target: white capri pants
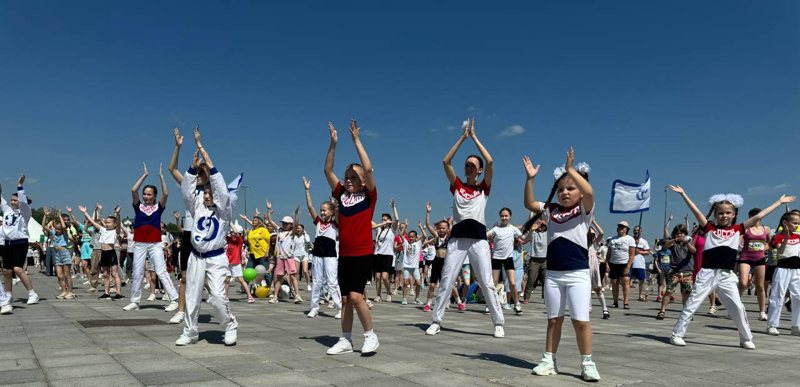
(458, 249)
(141, 251)
(783, 280)
(726, 283)
(324, 270)
(573, 286)
(216, 270)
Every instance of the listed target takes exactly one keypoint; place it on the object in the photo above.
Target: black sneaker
(606, 315)
(105, 296)
(117, 297)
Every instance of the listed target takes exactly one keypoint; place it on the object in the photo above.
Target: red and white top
(325, 241)
(469, 206)
(355, 221)
(567, 242)
(722, 246)
(790, 259)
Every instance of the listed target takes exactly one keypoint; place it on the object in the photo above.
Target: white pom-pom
(558, 172)
(735, 199)
(583, 168)
(715, 198)
(464, 124)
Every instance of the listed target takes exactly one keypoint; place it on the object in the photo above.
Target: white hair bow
(580, 167)
(735, 199)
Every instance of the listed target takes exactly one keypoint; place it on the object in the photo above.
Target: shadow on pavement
(498, 358)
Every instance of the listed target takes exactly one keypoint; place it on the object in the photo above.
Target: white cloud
(513, 130)
(369, 133)
(471, 109)
(766, 189)
(452, 128)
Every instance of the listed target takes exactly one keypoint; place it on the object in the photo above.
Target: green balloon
(249, 274)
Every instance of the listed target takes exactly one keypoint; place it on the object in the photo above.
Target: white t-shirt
(638, 260)
(504, 238)
(412, 251)
(384, 241)
(284, 245)
(430, 253)
(108, 236)
(620, 248)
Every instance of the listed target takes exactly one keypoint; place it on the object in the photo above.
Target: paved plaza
(45, 344)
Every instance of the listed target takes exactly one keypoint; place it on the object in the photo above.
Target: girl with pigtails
(568, 276)
(719, 260)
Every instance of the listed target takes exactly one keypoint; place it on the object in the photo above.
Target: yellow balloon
(262, 292)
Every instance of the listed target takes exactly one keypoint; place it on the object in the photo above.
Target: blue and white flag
(233, 187)
(629, 198)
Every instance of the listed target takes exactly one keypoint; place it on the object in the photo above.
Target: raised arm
(448, 158)
(333, 181)
(701, 219)
(311, 211)
(583, 185)
(396, 221)
(221, 196)
(599, 230)
(164, 192)
(246, 219)
(61, 219)
(173, 162)
(269, 216)
(488, 170)
(119, 221)
(69, 211)
(137, 185)
(666, 229)
(428, 219)
(369, 176)
(788, 228)
(93, 222)
(530, 171)
(177, 216)
(755, 219)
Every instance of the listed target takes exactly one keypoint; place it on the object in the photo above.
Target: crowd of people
(455, 261)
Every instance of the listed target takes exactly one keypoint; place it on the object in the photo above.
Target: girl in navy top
(568, 276)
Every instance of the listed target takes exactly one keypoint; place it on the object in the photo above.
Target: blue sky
(703, 94)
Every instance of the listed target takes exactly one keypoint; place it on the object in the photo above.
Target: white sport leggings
(325, 270)
(215, 269)
(783, 280)
(140, 252)
(726, 283)
(458, 249)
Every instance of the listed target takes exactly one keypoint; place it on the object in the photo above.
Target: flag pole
(640, 219)
(665, 204)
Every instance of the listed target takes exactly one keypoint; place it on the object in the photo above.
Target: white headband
(735, 199)
(580, 167)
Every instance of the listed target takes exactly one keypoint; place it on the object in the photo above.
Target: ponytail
(527, 226)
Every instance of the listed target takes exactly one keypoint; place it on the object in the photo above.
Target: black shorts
(382, 263)
(15, 255)
(436, 270)
(602, 270)
(428, 262)
(354, 273)
(617, 270)
(503, 264)
(422, 264)
(769, 273)
(108, 258)
(186, 249)
(760, 262)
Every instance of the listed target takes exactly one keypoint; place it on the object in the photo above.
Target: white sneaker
(370, 344)
(499, 332)
(796, 330)
(762, 316)
(308, 288)
(87, 282)
(338, 315)
(177, 318)
(331, 305)
(230, 337)
(147, 286)
(341, 346)
(433, 329)
(545, 367)
(677, 340)
(6, 309)
(747, 344)
(589, 371)
(32, 299)
(773, 331)
(313, 313)
(15, 281)
(152, 297)
(173, 306)
(131, 306)
(185, 340)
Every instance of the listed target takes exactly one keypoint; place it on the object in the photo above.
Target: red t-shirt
(234, 250)
(355, 221)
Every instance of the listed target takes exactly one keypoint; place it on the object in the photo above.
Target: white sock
(31, 292)
(549, 355)
(369, 333)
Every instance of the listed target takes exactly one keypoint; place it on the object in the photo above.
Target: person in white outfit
(719, 260)
(468, 236)
(324, 255)
(787, 275)
(208, 260)
(147, 235)
(16, 216)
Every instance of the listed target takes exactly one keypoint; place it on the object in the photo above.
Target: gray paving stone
(21, 376)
